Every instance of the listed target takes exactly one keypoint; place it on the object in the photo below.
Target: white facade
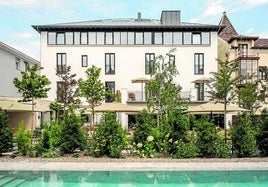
(12, 63)
(129, 58)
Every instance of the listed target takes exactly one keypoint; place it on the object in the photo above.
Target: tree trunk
(224, 118)
(32, 126)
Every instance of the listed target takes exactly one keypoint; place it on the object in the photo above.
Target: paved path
(131, 166)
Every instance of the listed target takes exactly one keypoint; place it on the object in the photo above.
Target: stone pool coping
(130, 166)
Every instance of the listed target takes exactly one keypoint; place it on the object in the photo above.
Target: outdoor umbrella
(215, 108)
(203, 80)
(140, 80)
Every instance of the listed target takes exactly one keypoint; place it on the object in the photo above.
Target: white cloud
(19, 3)
(247, 4)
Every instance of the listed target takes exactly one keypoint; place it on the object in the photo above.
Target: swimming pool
(133, 178)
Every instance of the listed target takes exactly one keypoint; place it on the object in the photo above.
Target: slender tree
(93, 89)
(223, 85)
(32, 86)
(248, 96)
(68, 89)
(162, 94)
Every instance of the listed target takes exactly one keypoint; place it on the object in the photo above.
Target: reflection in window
(198, 63)
(196, 38)
(149, 62)
(84, 61)
(205, 38)
(52, 38)
(109, 63)
(116, 38)
(60, 38)
(69, 38)
(177, 38)
(61, 63)
(108, 38)
(84, 38)
(100, 38)
(110, 87)
(130, 38)
(92, 38)
(167, 37)
(123, 38)
(187, 38)
(139, 38)
(77, 38)
(158, 38)
(147, 38)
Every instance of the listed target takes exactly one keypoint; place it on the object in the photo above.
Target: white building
(13, 62)
(124, 48)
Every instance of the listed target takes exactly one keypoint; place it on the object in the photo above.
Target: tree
(247, 95)
(5, 133)
(162, 94)
(243, 136)
(32, 86)
(92, 88)
(68, 89)
(223, 84)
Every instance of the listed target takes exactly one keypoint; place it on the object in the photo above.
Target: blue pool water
(133, 178)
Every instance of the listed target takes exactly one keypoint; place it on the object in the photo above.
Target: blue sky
(17, 16)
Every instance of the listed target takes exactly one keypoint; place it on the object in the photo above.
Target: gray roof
(18, 54)
(123, 23)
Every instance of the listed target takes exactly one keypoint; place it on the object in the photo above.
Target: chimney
(139, 16)
(170, 17)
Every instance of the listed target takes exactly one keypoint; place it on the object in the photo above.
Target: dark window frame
(199, 64)
(149, 64)
(61, 66)
(109, 64)
(110, 98)
(84, 63)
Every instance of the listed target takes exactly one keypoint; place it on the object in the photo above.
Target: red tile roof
(229, 31)
(261, 43)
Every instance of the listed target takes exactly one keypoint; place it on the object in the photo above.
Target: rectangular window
(177, 38)
(84, 61)
(60, 92)
(92, 38)
(77, 38)
(249, 68)
(69, 38)
(60, 38)
(109, 38)
(139, 38)
(198, 63)
(200, 91)
(196, 38)
(116, 38)
(100, 38)
(26, 66)
(61, 63)
(110, 87)
(147, 38)
(123, 38)
(262, 72)
(17, 60)
(83, 38)
(109, 63)
(51, 38)
(158, 39)
(130, 38)
(205, 38)
(243, 49)
(187, 38)
(167, 38)
(149, 62)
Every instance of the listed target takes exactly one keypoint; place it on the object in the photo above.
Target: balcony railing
(135, 96)
(249, 53)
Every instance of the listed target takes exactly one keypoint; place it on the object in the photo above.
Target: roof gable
(228, 31)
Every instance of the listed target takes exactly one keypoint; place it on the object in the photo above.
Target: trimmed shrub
(5, 133)
(23, 139)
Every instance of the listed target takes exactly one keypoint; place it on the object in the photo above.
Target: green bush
(243, 136)
(209, 143)
(186, 148)
(72, 136)
(262, 137)
(23, 139)
(5, 133)
(109, 137)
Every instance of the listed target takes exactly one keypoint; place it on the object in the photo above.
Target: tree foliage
(92, 88)
(224, 82)
(68, 91)
(248, 95)
(5, 133)
(32, 86)
(243, 136)
(262, 136)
